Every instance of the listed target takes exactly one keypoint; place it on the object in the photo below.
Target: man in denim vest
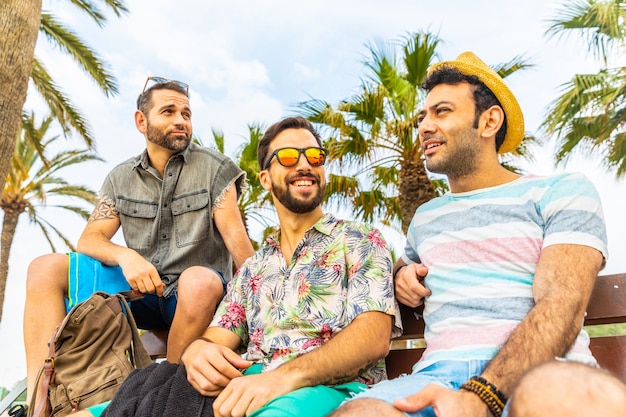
(176, 204)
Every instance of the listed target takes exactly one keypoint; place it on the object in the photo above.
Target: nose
(180, 120)
(303, 163)
(425, 126)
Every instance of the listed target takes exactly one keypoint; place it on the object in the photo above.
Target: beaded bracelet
(488, 393)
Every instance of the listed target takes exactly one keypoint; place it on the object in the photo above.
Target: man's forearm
(562, 288)
(360, 345)
(547, 332)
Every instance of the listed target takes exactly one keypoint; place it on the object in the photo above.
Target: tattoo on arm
(105, 209)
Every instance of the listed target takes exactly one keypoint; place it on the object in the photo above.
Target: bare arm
(95, 241)
(230, 225)
(561, 288)
(360, 345)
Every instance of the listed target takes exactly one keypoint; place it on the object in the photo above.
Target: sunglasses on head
(161, 80)
(289, 157)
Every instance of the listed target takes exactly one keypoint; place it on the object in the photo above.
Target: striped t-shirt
(482, 247)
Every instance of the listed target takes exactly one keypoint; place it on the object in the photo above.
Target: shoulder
(353, 230)
(564, 185)
(202, 152)
(128, 165)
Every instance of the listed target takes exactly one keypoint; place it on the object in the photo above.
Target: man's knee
(47, 272)
(200, 280)
(365, 407)
(568, 388)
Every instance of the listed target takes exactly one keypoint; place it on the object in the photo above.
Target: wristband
(488, 393)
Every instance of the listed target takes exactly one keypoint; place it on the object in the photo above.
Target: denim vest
(169, 220)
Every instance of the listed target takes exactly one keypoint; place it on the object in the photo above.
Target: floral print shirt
(339, 270)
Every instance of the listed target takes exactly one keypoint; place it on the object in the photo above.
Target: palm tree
(31, 183)
(20, 20)
(373, 134)
(590, 114)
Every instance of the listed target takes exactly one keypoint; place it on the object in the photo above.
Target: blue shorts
(448, 374)
(87, 275)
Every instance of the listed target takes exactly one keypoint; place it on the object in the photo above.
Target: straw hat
(469, 64)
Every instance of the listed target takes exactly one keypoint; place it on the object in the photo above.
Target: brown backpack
(91, 353)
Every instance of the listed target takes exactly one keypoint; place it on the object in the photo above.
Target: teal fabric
(315, 401)
(86, 276)
(96, 410)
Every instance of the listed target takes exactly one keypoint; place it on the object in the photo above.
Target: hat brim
(469, 64)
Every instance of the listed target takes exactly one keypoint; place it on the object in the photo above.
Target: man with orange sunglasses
(313, 310)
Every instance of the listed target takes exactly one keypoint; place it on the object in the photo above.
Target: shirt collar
(144, 161)
(324, 225)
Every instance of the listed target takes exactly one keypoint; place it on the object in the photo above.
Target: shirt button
(156, 262)
(164, 236)
(169, 175)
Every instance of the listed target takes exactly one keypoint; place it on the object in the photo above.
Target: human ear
(491, 121)
(141, 122)
(264, 179)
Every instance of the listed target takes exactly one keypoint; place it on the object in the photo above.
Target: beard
(174, 143)
(462, 159)
(289, 201)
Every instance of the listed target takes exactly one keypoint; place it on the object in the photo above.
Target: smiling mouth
(302, 183)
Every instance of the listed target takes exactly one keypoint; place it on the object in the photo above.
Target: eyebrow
(435, 105)
(173, 106)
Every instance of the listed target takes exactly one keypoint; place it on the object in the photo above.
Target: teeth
(432, 145)
(303, 182)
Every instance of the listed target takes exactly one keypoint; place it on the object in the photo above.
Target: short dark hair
(144, 101)
(483, 96)
(293, 122)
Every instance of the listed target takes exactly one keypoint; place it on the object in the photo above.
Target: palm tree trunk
(414, 189)
(9, 225)
(19, 26)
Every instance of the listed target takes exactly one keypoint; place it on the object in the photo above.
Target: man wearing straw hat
(504, 263)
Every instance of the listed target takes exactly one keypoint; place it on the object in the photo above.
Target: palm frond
(84, 56)
(60, 106)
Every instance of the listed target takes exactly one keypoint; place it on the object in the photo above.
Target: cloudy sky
(252, 61)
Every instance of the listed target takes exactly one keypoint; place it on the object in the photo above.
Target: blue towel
(87, 275)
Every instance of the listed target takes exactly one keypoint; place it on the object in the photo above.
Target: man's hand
(244, 395)
(445, 402)
(141, 275)
(211, 367)
(409, 284)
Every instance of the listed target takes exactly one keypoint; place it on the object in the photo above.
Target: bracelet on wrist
(395, 273)
(493, 398)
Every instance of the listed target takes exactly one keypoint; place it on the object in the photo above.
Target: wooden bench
(155, 342)
(605, 322)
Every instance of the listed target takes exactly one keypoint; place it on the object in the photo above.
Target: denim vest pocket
(191, 217)
(137, 218)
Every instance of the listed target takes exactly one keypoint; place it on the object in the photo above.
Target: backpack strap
(139, 355)
(40, 403)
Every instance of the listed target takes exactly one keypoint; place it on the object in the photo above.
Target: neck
(158, 156)
(293, 226)
(482, 178)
